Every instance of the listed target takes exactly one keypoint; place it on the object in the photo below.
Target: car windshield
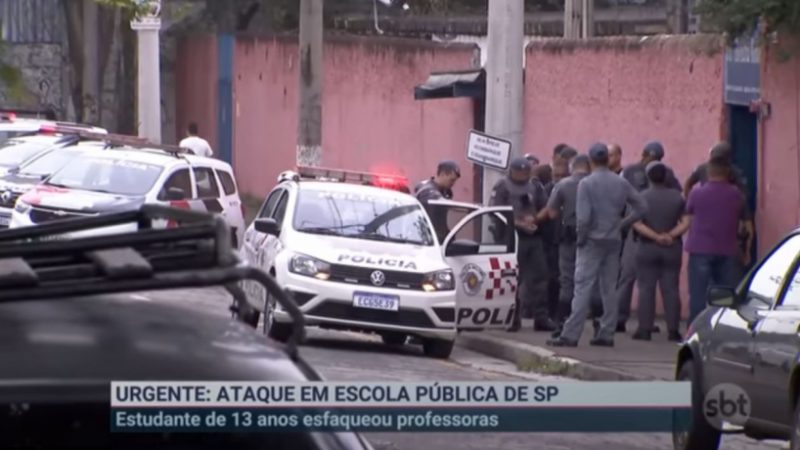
(362, 216)
(49, 163)
(109, 175)
(16, 151)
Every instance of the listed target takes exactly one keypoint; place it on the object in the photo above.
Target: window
(386, 217)
(445, 218)
(769, 276)
(280, 209)
(791, 298)
(492, 234)
(269, 205)
(108, 175)
(206, 183)
(226, 179)
(180, 180)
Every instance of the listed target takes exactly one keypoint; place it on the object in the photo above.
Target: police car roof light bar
(113, 140)
(395, 182)
(196, 254)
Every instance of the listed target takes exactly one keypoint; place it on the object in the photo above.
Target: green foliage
(136, 7)
(738, 17)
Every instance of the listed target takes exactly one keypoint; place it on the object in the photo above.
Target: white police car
(366, 258)
(130, 175)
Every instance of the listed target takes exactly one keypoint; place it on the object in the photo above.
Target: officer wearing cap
(636, 175)
(561, 205)
(602, 198)
(438, 187)
(660, 253)
(527, 199)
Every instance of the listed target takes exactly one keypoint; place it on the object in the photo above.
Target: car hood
(124, 337)
(371, 254)
(81, 200)
(18, 182)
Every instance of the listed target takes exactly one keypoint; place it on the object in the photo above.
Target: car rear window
(228, 185)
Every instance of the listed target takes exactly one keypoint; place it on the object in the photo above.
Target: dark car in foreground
(68, 327)
(741, 355)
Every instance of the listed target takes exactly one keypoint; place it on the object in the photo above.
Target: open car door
(481, 248)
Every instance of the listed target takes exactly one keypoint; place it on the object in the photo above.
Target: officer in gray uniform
(527, 200)
(636, 176)
(602, 198)
(438, 187)
(562, 205)
(660, 254)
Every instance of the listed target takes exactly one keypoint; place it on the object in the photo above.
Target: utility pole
(147, 27)
(504, 93)
(587, 19)
(573, 10)
(309, 124)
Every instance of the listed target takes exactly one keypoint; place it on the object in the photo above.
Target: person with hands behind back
(660, 253)
(527, 199)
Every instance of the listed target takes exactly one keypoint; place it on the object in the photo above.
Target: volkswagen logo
(6, 196)
(377, 278)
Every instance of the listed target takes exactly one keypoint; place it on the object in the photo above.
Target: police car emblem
(377, 278)
(472, 278)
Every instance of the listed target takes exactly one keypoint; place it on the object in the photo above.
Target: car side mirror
(175, 194)
(267, 226)
(462, 247)
(721, 296)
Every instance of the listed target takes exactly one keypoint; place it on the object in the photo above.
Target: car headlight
(442, 280)
(22, 207)
(310, 267)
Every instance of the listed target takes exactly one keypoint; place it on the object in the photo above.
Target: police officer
(438, 187)
(602, 197)
(636, 176)
(660, 254)
(561, 205)
(527, 199)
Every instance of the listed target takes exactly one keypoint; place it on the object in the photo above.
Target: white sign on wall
(488, 151)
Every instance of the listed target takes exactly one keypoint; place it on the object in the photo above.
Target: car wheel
(700, 435)
(437, 348)
(795, 440)
(275, 330)
(394, 339)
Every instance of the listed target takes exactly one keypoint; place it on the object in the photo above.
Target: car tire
(394, 339)
(794, 442)
(437, 348)
(701, 435)
(273, 329)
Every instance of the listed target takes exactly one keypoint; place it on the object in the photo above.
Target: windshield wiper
(384, 238)
(319, 230)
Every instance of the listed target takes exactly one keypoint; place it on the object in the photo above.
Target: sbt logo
(726, 403)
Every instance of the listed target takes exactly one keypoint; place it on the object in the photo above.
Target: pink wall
(626, 91)
(779, 173)
(196, 82)
(371, 121)
(619, 90)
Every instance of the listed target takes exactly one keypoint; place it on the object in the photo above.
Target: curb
(522, 354)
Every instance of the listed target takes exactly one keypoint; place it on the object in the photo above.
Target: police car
(13, 124)
(132, 173)
(364, 256)
(26, 161)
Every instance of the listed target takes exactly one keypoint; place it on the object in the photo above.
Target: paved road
(355, 357)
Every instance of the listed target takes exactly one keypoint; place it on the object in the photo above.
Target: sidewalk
(627, 360)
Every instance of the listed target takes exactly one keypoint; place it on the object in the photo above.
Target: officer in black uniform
(527, 199)
(438, 187)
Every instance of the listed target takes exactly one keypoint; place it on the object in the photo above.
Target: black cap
(532, 158)
(520, 163)
(654, 149)
(449, 166)
(652, 165)
(598, 151)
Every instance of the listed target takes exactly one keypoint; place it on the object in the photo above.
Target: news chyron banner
(400, 407)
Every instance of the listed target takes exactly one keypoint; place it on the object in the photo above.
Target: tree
(739, 17)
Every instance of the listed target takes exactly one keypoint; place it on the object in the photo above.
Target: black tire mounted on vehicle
(278, 331)
(437, 348)
(701, 435)
(794, 443)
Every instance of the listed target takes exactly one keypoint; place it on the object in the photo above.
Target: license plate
(376, 301)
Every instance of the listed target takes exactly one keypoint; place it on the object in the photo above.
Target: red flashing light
(48, 129)
(9, 116)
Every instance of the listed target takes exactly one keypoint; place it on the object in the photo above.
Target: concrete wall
(779, 164)
(371, 121)
(628, 91)
(196, 87)
(43, 72)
